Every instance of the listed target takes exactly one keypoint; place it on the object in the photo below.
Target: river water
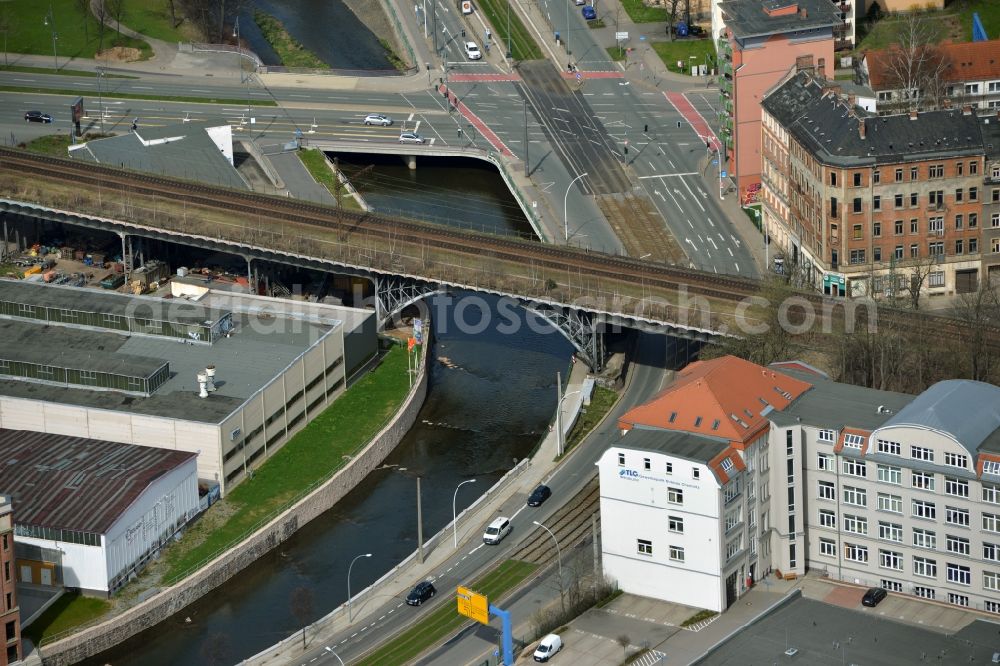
(491, 396)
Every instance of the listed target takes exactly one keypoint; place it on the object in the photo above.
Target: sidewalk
(437, 549)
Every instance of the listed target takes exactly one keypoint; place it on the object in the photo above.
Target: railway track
(571, 524)
(289, 213)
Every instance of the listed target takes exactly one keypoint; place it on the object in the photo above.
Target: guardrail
(390, 11)
(227, 48)
(281, 69)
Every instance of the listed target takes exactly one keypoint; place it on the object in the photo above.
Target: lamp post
(565, 212)
(100, 96)
(328, 649)
(50, 20)
(454, 509)
(558, 561)
(560, 435)
(349, 615)
(239, 62)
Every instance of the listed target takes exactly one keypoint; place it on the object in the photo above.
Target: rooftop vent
(210, 377)
(202, 385)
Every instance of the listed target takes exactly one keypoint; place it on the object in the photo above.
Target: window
(992, 606)
(833, 178)
(898, 227)
(973, 223)
(974, 167)
(644, 547)
(913, 225)
(676, 553)
(675, 524)
(923, 566)
(891, 585)
(925, 592)
(675, 496)
(854, 441)
(857, 179)
(647, 463)
(914, 251)
(991, 551)
(621, 458)
(876, 176)
(973, 243)
(914, 171)
(995, 218)
(991, 493)
(727, 465)
(991, 522)
(935, 171)
(890, 531)
(695, 473)
(891, 503)
(888, 559)
(991, 467)
(955, 516)
(935, 224)
(732, 491)
(899, 175)
(669, 468)
(858, 234)
(857, 256)
(956, 487)
(973, 194)
(922, 509)
(956, 460)
(958, 195)
(826, 490)
(885, 446)
(898, 201)
(957, 545)
(828, 547)
(855, 524)
(922, 453)
(824, 461)
(959, 167)
(971, 88)
(828, 436)
(855, 496)
(924, 480)
(959, 574)
(913, 199)
(958, 599)
(924, 538)
(958, 221)
(855, 553)
(833, 206)
(827, 518)
(959, 246)
(890, 474)
(856, 205)
(855, 467)
(991, 581)
(898, 252)
(876, 202)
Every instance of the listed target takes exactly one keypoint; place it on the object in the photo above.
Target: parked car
(696, 31)
(589, 13)
(410, 137)
(540, 494)
(378, 119)
(681, 29)
(580, 2)
(548, 647)
(873, 597)
(496, 531)
(472, 51)
(37, 117)
(421, 593)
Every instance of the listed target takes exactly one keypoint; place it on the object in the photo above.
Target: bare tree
(919, 271)
(173, 12)
(84, 7)
(301, 603)
(101, 14)
(769, 324)
(980, 311)
(624, 640)
(7, 23)
(672, 8)
(116, 8)
(916, 67)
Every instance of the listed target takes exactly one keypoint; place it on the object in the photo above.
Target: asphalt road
(394, 616)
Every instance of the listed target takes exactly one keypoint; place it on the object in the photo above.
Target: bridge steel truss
(584, 328)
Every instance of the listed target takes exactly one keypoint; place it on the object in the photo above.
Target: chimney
(861, 128)
(913, 115)
(202, 384)
(210, 376)
(966, 110)
(803, 12)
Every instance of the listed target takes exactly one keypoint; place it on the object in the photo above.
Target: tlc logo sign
(629, 474)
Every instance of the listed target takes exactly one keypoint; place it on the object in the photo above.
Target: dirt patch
(120, 54)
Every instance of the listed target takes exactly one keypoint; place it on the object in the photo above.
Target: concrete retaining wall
(94, 640)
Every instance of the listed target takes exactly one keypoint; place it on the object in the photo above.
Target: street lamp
(560, 435)
(239, 62)
(454, 512)
(565, 212)
(558, 560)
(50, 20)
(349, 616)
(100, 95)
(330, 650)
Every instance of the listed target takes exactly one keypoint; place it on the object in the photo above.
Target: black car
(37, 117)
(421, 593)
(696, 30)
(873, 597)
(540, 494)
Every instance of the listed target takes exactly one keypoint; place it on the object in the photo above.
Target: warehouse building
(228, 378)
(91, 513)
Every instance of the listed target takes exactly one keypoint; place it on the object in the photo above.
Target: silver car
(410, 137)
(378, 119)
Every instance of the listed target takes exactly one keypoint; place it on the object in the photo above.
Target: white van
(548, 647)
(496, 531)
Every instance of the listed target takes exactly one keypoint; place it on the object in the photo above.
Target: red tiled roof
(970, 61)
(721, 398)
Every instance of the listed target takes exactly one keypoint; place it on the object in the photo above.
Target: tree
(301, 603)
(980, 311)
(173, 13)
(919, 270)
(7, 23)
(101, 14)
(672, 7)
(116, 9)
(916, 66)
(767, 326)
(84, 7)
(624, 640)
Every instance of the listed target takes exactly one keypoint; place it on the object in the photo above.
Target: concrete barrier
(94, 640)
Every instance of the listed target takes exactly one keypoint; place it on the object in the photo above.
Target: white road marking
(381, 618)
(692, 195)
(409, 118)
(26, 80)
(659, 194)
(737, 267)
(689, 224)
(142, 87)
(735, 240)
(476, 548)
(730, 252)
(671, 175)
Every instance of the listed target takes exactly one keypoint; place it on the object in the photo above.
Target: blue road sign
(579, 76)
(723, 175)
(642, 38)
(715, 162)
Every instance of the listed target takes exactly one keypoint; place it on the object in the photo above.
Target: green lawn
(315, 162)
(24, 22)
(989, 14)
(69, 611)
(616, 53)
(522, 44)
(640, 13)
(314, 454)
(445, 620)
(954, 23)
(683, 49)
(152, 18)
(883, 33)
(292, 53)
(601, 403)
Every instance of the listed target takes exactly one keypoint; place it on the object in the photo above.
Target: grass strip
(640, 13)
(616, 53)
(522, 44)
(291, 52)
(69, 611)
(58, 144)
(688, 51)
(698, 617)
(315, 163)
(61, 72)
(159, 98)
(601, 403)
(154, 18)
(391, 56)
(314, 454)
(444, 620)
(596, 23)
(29, 28)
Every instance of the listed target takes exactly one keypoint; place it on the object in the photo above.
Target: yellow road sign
(473, 605)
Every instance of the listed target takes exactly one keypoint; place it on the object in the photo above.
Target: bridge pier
(411, 162)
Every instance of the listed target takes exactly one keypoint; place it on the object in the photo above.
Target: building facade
(757, 44)
(865, 205)
(991, 202)
(10, 614)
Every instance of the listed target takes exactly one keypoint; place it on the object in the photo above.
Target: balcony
(727, 69)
